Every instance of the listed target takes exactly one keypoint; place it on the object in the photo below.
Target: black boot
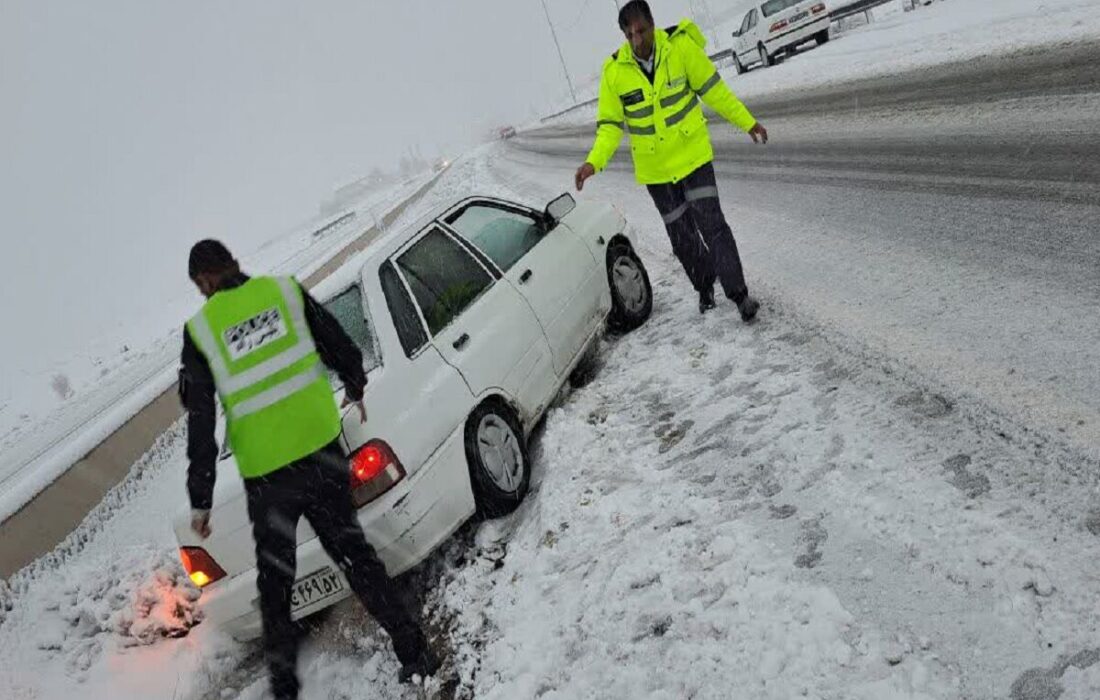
(706, 300)
(748, 308)
(425, 665)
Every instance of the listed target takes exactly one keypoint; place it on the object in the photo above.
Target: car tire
(631, 293)
(737, 65)
(766, 59)
(586, 369)
(822, 37)
(496, 453)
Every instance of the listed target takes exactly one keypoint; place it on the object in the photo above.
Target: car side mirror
(736, 34)
(557, 209)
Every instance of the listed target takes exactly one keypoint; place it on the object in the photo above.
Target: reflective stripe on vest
(277, 393)
(640, 121)
(229, 384)
(278, 402)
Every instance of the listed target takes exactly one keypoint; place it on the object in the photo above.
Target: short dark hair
(209, 256)
(635, 9)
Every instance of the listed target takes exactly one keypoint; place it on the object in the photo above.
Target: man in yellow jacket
(651, 89)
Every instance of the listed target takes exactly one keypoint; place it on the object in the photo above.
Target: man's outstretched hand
(358, 404)
(583, 173)
(758, 133)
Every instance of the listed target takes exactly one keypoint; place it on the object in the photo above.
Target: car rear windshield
(347, 307)
(772, 6)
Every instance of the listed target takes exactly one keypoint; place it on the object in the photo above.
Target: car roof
(384, 246)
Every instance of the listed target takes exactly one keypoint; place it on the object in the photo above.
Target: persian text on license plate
(314, 588)
(799, 17)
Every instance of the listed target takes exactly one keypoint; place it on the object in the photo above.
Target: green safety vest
(665, 121)
(278, 401)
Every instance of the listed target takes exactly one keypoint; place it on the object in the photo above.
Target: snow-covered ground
(725, 511)
(943, 32)
(44, 429)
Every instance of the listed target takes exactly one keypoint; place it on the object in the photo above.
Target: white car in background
(776, 26)
(470, 322)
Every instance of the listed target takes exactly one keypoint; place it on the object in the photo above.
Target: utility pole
(560, 55)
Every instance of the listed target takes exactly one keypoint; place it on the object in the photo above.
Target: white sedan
(470, 322)
(771, 27)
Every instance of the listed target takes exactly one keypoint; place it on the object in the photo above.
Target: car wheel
(496, 452)
(737, 65)
(586, 369)
(631, 293)
(766, 59)
(822, 37)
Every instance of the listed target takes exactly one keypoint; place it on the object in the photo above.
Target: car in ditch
(470, 322)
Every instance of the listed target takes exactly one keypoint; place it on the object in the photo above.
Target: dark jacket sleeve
(196, 390)
(337, 350)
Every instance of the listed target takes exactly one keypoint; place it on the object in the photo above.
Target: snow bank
(109, 613)
(725, 512)
(747, 512)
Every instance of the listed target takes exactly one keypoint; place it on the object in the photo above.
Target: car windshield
(347, 307)
(772, 6)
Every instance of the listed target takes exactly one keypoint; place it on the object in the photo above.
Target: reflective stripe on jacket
(668, 132)
(278, 401)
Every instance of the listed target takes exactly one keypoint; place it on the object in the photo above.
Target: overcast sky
(131, 128)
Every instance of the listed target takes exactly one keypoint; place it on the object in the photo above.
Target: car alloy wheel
(500, 452)
(629, 283)
(496, 454)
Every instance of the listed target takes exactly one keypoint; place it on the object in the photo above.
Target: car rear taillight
(375, 469)
(200, 566)
(778, 25)
(818, 8)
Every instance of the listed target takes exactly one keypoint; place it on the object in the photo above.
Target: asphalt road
(947, 219)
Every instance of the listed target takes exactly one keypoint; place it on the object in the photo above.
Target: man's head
(209, 264)
(636, 21)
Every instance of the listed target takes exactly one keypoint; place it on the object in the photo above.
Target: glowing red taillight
(200, 566)
(818, 8)
(375, 469)
(778, 25)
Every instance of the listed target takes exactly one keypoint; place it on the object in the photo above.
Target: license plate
(314, 588)
(799, 17)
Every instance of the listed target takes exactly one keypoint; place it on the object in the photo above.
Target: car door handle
(525, 276)
(461, 342)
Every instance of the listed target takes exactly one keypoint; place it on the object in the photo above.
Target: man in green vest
(651, 89)
(262, 345)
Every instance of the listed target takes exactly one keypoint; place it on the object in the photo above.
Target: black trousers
(701, 238)
(316, 487)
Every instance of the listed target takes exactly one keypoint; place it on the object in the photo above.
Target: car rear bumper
(799, 34)
(405, 525)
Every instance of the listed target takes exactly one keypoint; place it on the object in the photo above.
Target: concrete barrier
(49, 517)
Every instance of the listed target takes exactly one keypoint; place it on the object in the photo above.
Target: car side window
(746, 25)
(444, 278)
(752, 18)
(410, 330)
(503, 235)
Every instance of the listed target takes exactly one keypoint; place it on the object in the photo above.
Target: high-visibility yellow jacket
(668, 132)
(277, 397)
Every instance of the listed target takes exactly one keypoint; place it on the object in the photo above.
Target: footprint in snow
(965, 480)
